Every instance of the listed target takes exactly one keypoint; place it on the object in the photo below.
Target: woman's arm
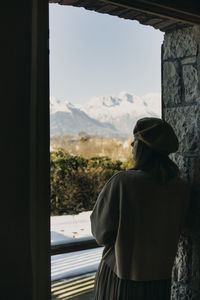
(105, 215)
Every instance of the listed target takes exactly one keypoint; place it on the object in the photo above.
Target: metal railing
(74, 246)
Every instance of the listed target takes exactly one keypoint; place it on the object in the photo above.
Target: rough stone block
(171, 83)
(186, 123)
(189, 60)
(184, 164)
(191, 83)
(185, 284)
(180, 43)
(180, 272)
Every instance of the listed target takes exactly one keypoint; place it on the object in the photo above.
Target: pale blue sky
(93, 54)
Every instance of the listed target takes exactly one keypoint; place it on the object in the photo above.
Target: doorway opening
(105, 74)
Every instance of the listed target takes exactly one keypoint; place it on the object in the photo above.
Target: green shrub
(77, 181)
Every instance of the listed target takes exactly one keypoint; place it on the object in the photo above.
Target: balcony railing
(74, 246)
(80, 286)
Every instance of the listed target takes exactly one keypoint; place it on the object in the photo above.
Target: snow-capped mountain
(66, 118)
(57, 105)
(106, 115)
(124, 110)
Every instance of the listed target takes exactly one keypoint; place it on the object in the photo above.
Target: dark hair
(160, 165)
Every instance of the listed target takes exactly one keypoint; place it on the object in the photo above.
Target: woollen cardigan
(139, 221)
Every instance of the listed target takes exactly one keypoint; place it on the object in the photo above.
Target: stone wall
(181, 108)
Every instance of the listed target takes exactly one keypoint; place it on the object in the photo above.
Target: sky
(93, 54)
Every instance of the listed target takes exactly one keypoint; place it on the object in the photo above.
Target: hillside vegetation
(91, 146)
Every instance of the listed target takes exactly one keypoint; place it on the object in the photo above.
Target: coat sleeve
(105, 215)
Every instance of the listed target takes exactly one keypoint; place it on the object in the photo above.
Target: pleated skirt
(109, 287)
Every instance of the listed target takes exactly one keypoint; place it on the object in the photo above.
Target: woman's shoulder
(128, 174)
(139, 176)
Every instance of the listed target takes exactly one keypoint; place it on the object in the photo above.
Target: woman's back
(150, 220)
(144, 224)
(138, 217)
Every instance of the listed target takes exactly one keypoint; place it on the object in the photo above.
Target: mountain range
(109, 116)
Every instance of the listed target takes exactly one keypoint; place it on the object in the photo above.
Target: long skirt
(109, 287)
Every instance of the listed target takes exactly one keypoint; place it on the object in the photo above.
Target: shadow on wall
(192, 225)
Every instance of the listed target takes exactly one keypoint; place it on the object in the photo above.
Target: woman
(138, 218)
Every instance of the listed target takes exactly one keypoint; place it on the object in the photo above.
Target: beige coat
(139, 222)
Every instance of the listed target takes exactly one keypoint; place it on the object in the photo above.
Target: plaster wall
(181, 108)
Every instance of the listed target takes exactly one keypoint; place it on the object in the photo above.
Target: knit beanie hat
(157, 134)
